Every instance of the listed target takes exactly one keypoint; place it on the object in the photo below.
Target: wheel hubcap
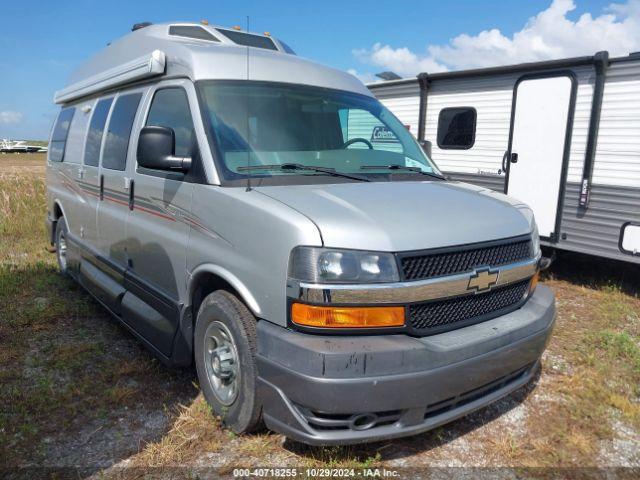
(221, 362)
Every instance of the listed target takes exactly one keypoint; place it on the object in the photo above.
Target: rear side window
(457, 128)
(170, 108)
(119, 131)
(249, 39)
(96, 129)
(59, 135)
(188, 31)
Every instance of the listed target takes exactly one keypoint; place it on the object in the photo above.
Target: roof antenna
(247, 115)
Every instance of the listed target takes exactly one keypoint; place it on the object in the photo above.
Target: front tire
(62, 246)
(225, 355)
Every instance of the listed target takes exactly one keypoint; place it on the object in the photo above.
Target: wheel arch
(57, 210)
(56, 214)
(208, 278)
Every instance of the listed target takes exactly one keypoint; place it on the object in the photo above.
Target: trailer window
(120, 124)
(457, 128)
(59, 135)
(170, 108)
(96, 131)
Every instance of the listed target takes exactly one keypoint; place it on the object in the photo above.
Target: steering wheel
(356, 140)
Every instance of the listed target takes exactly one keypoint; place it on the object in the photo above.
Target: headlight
(328, 265)
(535, 240)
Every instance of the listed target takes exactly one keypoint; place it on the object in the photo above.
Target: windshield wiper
(299, 166)
(402, 167)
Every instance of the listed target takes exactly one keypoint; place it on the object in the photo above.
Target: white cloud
(364, 77)
(9, 116)
(549, 34)
(399, 60)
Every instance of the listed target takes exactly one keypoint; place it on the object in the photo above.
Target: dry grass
(63, 364)
(23, 164)
(194, 430)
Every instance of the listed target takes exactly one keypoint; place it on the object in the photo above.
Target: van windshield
(255, 124)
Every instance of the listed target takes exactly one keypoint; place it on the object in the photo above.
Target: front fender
(227, 276)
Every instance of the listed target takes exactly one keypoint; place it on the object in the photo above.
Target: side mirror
(156, 149)
(426, 147)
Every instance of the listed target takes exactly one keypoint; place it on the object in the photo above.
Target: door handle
(504, 161)
(80, 173)
(101, 187)
(131, 197)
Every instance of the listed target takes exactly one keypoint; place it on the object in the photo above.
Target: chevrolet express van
(266, 218)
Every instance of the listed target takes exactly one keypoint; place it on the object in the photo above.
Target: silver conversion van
(269, 220)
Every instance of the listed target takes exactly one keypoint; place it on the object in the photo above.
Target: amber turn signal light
(347, 317)
(534, 282)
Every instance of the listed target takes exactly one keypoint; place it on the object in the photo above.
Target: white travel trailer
(563, 136)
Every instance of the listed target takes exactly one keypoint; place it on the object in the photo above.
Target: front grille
(428, 265)
(439, 315)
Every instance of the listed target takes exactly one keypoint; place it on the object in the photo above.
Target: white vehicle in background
(19, 146)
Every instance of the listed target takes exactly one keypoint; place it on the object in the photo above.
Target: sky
(43, 42)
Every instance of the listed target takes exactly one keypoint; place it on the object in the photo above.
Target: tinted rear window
(120, 124)
(59, 135)
(96, 129)
(249, 40)
(187, 31)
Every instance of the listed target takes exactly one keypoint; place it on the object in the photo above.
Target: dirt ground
(81, 395)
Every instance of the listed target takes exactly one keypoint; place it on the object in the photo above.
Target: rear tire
(225, 343)
(62, 246)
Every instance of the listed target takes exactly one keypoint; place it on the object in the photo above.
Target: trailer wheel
(225, 350)
(61, 245)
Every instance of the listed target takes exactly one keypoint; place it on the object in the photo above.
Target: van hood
(400, 216)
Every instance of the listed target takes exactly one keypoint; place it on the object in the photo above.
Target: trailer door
(539, 145)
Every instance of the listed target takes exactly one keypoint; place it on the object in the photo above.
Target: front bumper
(331, 390)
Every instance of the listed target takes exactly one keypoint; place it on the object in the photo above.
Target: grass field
(78, 391)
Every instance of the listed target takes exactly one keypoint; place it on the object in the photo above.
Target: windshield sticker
(382, 134)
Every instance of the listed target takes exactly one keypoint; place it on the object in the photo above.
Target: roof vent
(138, 26)
(388, 76)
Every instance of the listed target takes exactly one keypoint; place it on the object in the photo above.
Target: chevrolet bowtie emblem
(483, 280)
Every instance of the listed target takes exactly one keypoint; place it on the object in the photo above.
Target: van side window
(59, 135)
(457, 128)
(170, 108)
(119, 131)
(76, 135)
(96, 130)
